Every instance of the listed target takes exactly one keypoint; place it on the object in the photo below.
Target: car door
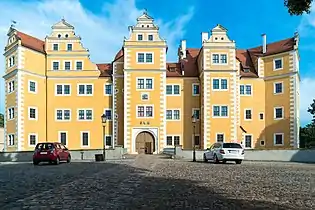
(215, 149)
(60, 152)
(207, 153)
(211, 150)
(65, 151)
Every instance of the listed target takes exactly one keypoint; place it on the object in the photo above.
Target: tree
(311, 110)
(298, 7)
(1, 120)
(307, 134)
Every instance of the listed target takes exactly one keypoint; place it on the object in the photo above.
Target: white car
(224, 152)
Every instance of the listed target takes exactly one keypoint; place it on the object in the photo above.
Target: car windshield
(45, 146)
(232, 145)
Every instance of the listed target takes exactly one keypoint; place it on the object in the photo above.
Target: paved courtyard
(151, 182)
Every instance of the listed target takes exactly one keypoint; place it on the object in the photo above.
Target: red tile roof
(31, 42)
(105, 69)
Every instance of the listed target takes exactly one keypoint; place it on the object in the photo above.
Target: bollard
(82, 155)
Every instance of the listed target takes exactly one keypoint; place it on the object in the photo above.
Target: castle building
(215, 93)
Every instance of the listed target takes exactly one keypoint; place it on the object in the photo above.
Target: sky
(102, 24)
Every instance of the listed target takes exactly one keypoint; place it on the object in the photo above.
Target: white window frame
(274, 112)
(274, 64)
(52, 65)
(81, 138)
(71, 47)
(8, 113)
(145, 82)
(36, 113)
(142, 94)
(193, 112)
(145, 106)
(251, 136)
(76, 65)
(85, 109)
(9, 143)
(251, 88)
(173, 135)
(145, 57)
(193, 139)
(192, 86)
(63, 114)
(63, 90)
(64, 65)
(220, 54)
(52, 46)
(9, 86)
(29, 139)
(59, 137)
(180, 90)
(274, 139)
(274, 88)
(174, 109)
(105, 94)
(251, 113)
(85, 88)
(216, 137)
(111, 138)
(11, 61)
(29, 86)
(137, 37)
(220, 105)
(220, 88)
(111, 111)
(263, 116)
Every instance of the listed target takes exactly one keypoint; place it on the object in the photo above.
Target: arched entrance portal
(145, 143)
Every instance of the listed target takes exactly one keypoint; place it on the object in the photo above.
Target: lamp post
(104, 119)
(193, 120)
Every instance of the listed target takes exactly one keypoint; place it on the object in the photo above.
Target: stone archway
(145, 143)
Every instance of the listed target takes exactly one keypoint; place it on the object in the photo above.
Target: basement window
(246, 70)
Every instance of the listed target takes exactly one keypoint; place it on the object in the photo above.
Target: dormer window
(172, 69)
(246, 70)
(140, 37)
(150, 37)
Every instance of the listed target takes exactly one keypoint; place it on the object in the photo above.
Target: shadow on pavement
(109, 185)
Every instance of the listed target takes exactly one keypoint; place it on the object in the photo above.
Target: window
(196, 90)
(246, 89)
(79, 65)
(55, 47)
(85, 137)
(278, 139)
(11, 113)
(277, 64)
(278, 113)
(248, 114)
(173, 140)
(11, 86)
(262, 143)
(32, 86)
(108, 114)
(261, 116)
(11, 140)
(63, 114)
(248, 141)
(219, 84)
(145, 58)
(11, 61)
(62, 89)
(140, 37)
(108, 141)
(32, 113)
(197, 140)
(219, 58)
(108, 89)
(63, 137)
(32, 139)
(144, 111)
(196, 113)
(85, 114)
(69, 47)
(144, 96)
(144, 83)
(173, 90)
(150, 37)
(173, 114)
(67, 65)
(220, 137)
(278, 88)
(220, 111)
(55, 65)
(85, 89)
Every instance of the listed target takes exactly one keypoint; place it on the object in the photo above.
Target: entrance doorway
(145, 143)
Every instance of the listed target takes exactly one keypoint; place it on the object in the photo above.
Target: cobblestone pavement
(150, 182)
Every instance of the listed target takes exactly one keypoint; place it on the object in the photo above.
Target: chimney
(264, 43)
(183, 48)
(204, 37)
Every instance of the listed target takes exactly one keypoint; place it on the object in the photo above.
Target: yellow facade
(55, 93)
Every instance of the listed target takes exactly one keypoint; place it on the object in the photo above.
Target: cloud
(306, 27)
(307, 95)
(102, 33)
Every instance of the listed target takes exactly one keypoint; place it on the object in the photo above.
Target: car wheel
(35, 162)
(57, 161)
(215, 158)
(224, 161)
(238, 161)
(69, 159)
(205, 158)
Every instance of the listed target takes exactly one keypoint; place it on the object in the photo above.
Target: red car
(52, 152)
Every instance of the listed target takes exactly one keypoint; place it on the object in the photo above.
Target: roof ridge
(30, 36)
(270, 43)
